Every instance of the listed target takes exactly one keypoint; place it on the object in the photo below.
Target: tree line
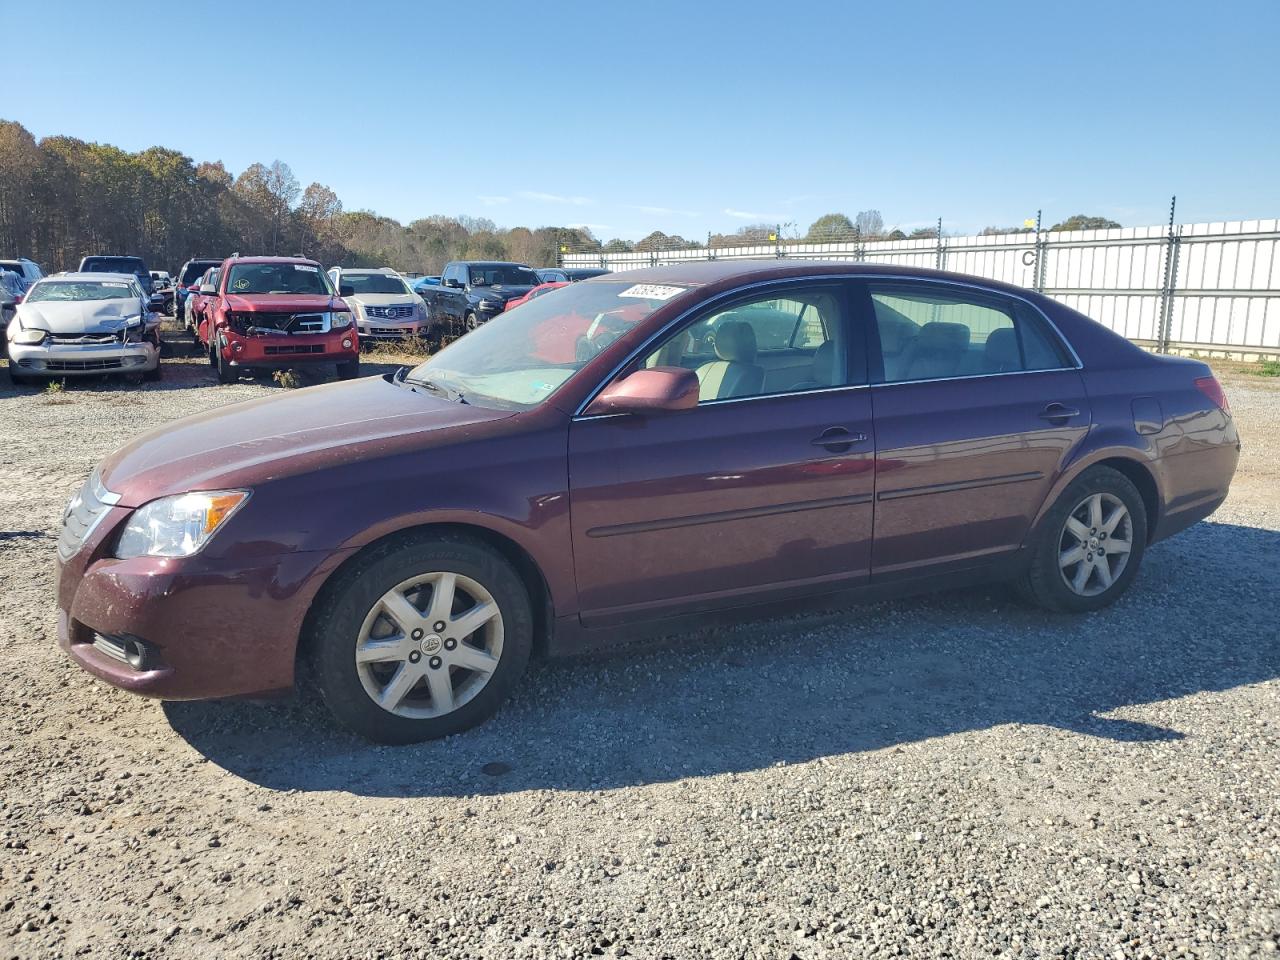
(62, 198)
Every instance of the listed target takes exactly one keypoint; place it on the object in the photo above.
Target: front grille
(290, 348)
(390, 313)
(391, 333)
(278, 322)
(83, 514)
(68, 366)
(87, 338)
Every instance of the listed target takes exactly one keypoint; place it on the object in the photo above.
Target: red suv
(275, 312)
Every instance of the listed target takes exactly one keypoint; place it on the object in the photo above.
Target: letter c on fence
(1028, 258)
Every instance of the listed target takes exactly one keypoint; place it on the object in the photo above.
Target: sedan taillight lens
(1212, 389)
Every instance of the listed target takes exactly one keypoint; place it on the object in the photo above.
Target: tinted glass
(113, 265)
(52, 290)
(497, 275)
(930, 333)
(373, 283)
(518, 359)
(299, 278)
(194, 270)
(761, 347)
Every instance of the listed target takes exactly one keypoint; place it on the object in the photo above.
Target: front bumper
(391, 329)
(210, 628)
(290, 350)
(70, 360)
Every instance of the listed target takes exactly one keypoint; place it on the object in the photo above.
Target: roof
(307, 260)
(383, 271)
(696, 273)
(493, 263)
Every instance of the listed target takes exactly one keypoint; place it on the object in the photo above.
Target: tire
(349, 370)
(350, 616)
(151, 376)
(17, 379)
(226, 372)
(1074, 558)
(469, 322)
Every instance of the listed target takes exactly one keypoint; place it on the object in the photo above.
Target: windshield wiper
(450, 393)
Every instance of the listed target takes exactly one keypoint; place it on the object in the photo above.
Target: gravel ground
(954, 776)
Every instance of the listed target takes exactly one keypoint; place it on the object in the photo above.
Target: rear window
(194, 271)
(113, 265)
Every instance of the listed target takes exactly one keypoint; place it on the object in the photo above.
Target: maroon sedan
(649, 446)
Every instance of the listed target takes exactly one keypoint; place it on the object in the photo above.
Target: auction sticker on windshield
(652, 291)
(307, 267)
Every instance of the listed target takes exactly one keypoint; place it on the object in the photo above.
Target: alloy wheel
(1094, 547)
(429, 645)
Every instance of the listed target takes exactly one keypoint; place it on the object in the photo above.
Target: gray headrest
(940, 335)
(824, 363)
(736, 342)
(895, 334)
(1002, 349)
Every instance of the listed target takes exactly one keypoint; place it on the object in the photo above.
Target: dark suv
(188, 282)
(474, 291)
(135, 265)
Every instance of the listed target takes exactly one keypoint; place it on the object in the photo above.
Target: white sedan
(79, 324)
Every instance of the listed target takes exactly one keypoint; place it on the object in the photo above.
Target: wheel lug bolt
(434, 663)
(417, 634)
(1089, 557)
(415, 656)
(438, 625)
(1093, 529)
(450, 643)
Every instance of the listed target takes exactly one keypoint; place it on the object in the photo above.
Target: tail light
(1212, 389)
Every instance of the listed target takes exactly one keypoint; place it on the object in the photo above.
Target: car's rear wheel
(421, 638)
(1089, 545)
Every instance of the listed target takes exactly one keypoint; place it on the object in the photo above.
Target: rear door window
(933, 332)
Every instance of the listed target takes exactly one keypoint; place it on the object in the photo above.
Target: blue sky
(686, 117)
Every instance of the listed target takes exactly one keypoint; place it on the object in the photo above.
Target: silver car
(385, 307)
(79, 324)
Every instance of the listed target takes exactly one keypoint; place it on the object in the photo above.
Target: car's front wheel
(349, 370)
(421, 638)
(226, 372)
(1089, 545)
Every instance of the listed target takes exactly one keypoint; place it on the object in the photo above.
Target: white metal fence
(1199, 286)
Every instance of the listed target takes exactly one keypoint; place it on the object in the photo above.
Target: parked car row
(249, 313)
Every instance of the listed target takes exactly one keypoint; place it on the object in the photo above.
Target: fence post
(710, 255)
(1167, 285)
(941, 256)
(777, 241)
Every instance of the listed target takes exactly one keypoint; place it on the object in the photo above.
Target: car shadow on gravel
(1201, 617)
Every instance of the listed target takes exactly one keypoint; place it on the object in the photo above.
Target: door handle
(1058, 413)
(838, 439)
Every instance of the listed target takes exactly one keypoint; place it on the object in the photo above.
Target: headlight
(339, 320)
(30, 336)
(490, 304)
(178, 526)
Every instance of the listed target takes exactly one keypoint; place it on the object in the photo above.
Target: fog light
(346, 344)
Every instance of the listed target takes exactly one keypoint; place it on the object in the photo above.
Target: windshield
(81, 290)
(518, 359)
(301, 278)
(502, 274)
(194, 271)
(373, 283)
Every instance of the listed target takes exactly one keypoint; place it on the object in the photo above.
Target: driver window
(766, 346)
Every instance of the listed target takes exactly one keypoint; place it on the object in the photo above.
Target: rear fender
(1104, 443)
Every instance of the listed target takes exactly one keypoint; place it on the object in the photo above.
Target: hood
(282, 302)
(245, 444)
(503, 291)
(79, 316)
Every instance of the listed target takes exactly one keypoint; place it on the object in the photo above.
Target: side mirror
(346, 290)
(155, 302)
(654, 390)
(207, 289)
(451, 283)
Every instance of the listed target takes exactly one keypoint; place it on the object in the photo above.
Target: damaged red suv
(274, 312)
(637, 448)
